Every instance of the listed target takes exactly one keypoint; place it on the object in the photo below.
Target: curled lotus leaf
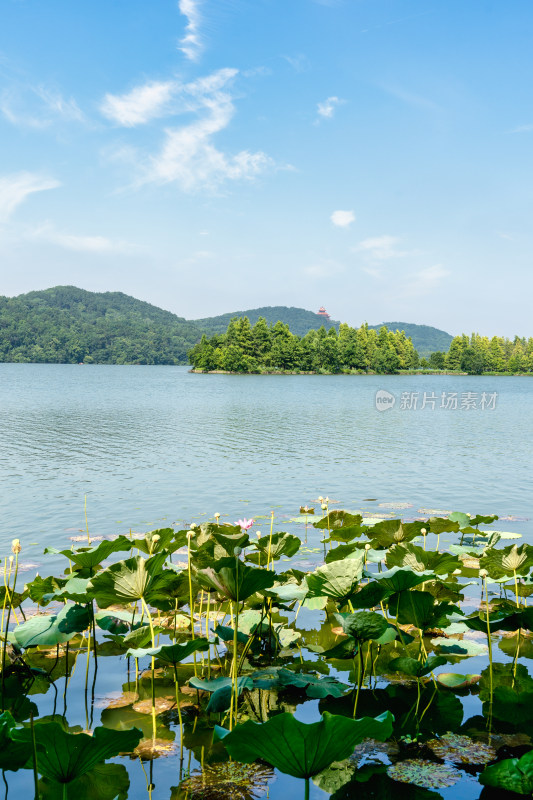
(455, 681)
(503, 562)
(337, 580)
(461, 749)
(90, 557)
(426, 774)
(363, 625)
(338, 519)
(394, 531)
(399, 579)
(234, 580)
(416, 558)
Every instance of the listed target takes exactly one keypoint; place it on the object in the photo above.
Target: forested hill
(68, 325)
(299, 320)
(426, 339)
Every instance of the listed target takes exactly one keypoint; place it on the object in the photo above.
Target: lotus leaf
(398, 579)
(461, 749)
(51, 630)
(363, 625)
(337, 580)
(221, 690)
(301, 749)
(171, 653)
(89, 558)
(314, 685)
(338, 519)
(235, 580)
(455, 681)
(420, 560)
(103, 782)
(503, 563)
(439, 525)
(133, 579)
(13, 755)
(63, 757)
(393, 531)
(415, 668)
(273, 547)
(426, 774)
(512, 774)
(420, 609)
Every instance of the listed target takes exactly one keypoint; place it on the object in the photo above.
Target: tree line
(477, 354)
(264, 348)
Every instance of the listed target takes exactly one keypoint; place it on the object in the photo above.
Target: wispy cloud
(327, 109)
(188, 155)
(522, 129)
(299, 62)
(191, 45)
(425, 280)
(81, 244)
(381, 248)
(141, 104)
(14, 189)
(412, 98)
(38, 107)
(342, 219)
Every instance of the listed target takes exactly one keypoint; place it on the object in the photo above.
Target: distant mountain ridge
(65, 325)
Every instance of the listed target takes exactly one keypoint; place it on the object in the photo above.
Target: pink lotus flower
(245, 523)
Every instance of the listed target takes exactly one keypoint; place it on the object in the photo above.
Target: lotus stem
(516, 588)
(191, 601)
(34, 758)
(87, 523)
(270, 539)
(145, 607)
(489, 638)
(360, 678)
(7, 621)
(177, 687)
(306, 795)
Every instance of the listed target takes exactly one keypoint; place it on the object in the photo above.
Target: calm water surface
(155, 445)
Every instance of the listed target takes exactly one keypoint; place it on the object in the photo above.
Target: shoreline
(363, 374)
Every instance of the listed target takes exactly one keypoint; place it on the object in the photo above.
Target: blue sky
(373, 156)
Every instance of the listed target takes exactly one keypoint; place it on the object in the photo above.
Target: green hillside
(299, 320)
(66, 325)
(425, 338)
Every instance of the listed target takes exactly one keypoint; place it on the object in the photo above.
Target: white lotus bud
(323, 507)
(368, 546)
(15, 546)
(483, 573)
(258, 534)
(156, 538)
(423, 531)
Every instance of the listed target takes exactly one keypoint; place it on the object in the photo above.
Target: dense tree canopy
(264, 348)
(66, 325)
(478, 354)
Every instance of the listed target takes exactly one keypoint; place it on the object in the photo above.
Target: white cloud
(381, 248)
(299, 62)
(188, 155)
(14, 189)
(82, 244)
(522, 129)
(140, 105)
(50, 107)
(327, 109)
(429, 278)
(342, 219)
(191, 44)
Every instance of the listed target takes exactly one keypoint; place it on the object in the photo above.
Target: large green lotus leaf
(463, 520)
(165, 539)
(370, 595)
(75, 589)
(416, 558)
(289, 592)
(337, 580)
(301, 749)
(399, 579)
(13, 755)
(104, 782)
(502, 563)
(40, 589)
(514, 677)
(512, 706)
(512, 774)
(114, 621)
(363, 625)
(421, 610)
(456, 681)
(91, 557)
(63, 757)
(464, 648)
(346, 648)
(345, 534)
(426, 774)
(52, 629)
(415, 668)
(280, 544)
(393, 531)
(235, 580)
(221, 689)
(338, 519)
(316, 686)
(171, 653)
(479, 519)
(16, 598)
(442, 525)
(352, 550)
(225, 543)
(133, 579)
(498, 620)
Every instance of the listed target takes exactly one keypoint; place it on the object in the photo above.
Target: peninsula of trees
(273, 348)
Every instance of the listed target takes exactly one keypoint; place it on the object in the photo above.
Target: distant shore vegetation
(268, 348)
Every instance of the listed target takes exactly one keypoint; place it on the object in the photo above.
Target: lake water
(150, 446)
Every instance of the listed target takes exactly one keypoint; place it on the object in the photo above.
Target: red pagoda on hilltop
(323, 313)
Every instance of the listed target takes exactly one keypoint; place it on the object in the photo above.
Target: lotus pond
(345, 656)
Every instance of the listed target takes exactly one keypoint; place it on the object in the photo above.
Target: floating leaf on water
(228, 781)
(426, 774)
(454, 647)
(149, 749)
(398, 506)
(373, 751)
(161, 705)
(123, 700)
(461, 749)
(453, 680)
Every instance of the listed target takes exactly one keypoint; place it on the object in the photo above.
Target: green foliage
(512, 774)
(66, 325)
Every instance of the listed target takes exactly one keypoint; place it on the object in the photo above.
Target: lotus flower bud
(11, 558)
(423, 531)
(323, 506)
(258, 534)
(156, 538)
(190, 534)
(193, 526)
(368, 546)
(326, 500)
(320, 498)
(238, 551)
(217, 516)
(15, 546)
(483, 573)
